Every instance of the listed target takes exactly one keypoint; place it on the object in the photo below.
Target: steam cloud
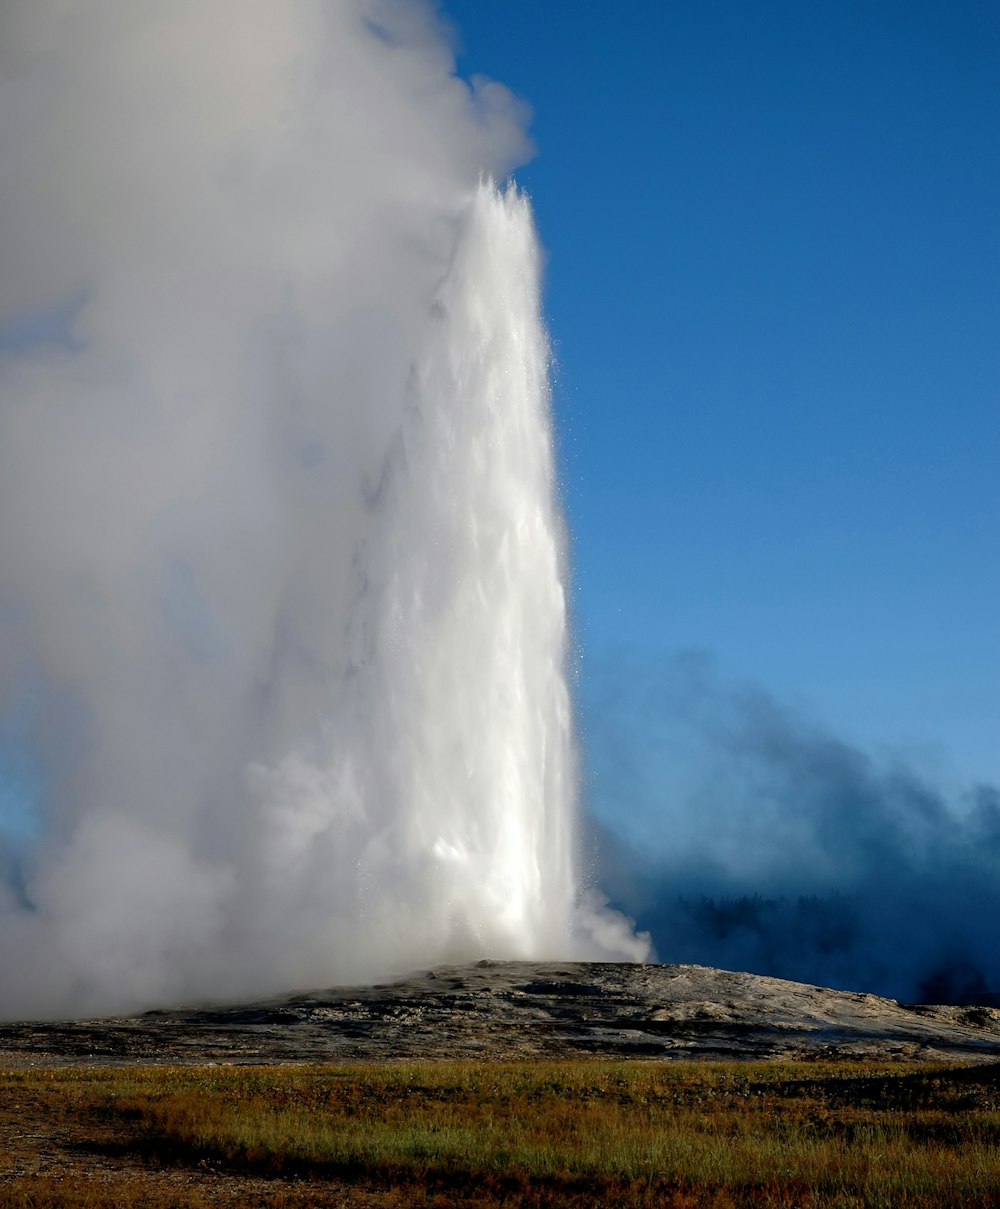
(282, 625)
(768, 844)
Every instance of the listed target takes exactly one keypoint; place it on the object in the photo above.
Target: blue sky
(774, 293)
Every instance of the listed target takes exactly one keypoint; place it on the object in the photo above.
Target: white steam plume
(282, 627)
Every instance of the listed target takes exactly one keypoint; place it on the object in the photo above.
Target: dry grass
(537, 1134)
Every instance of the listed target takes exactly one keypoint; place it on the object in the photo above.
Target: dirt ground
(51, 1155)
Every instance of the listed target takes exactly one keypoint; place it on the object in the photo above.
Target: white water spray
(282, 617)
(444, 794)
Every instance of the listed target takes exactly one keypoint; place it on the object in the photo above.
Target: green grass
(584, 1133)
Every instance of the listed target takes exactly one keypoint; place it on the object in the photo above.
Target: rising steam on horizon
(282, 616)
(762, 841)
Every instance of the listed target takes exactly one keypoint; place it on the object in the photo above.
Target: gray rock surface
(495, 1010)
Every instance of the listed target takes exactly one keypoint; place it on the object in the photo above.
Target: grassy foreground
(529, 1134)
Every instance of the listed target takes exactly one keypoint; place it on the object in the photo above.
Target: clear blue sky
(774, 293)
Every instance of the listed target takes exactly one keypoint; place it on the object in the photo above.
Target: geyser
(282, 616)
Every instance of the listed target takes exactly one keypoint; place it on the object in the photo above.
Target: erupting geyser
(282, 621)
(439, 794)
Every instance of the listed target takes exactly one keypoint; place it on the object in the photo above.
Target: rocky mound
(517, 1009)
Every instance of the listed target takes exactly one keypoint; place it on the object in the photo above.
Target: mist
(282, 616)
(745, 835)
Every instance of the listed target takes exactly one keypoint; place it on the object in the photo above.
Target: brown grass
(524, 1134)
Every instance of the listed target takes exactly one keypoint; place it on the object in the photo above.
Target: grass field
(522, 1134)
